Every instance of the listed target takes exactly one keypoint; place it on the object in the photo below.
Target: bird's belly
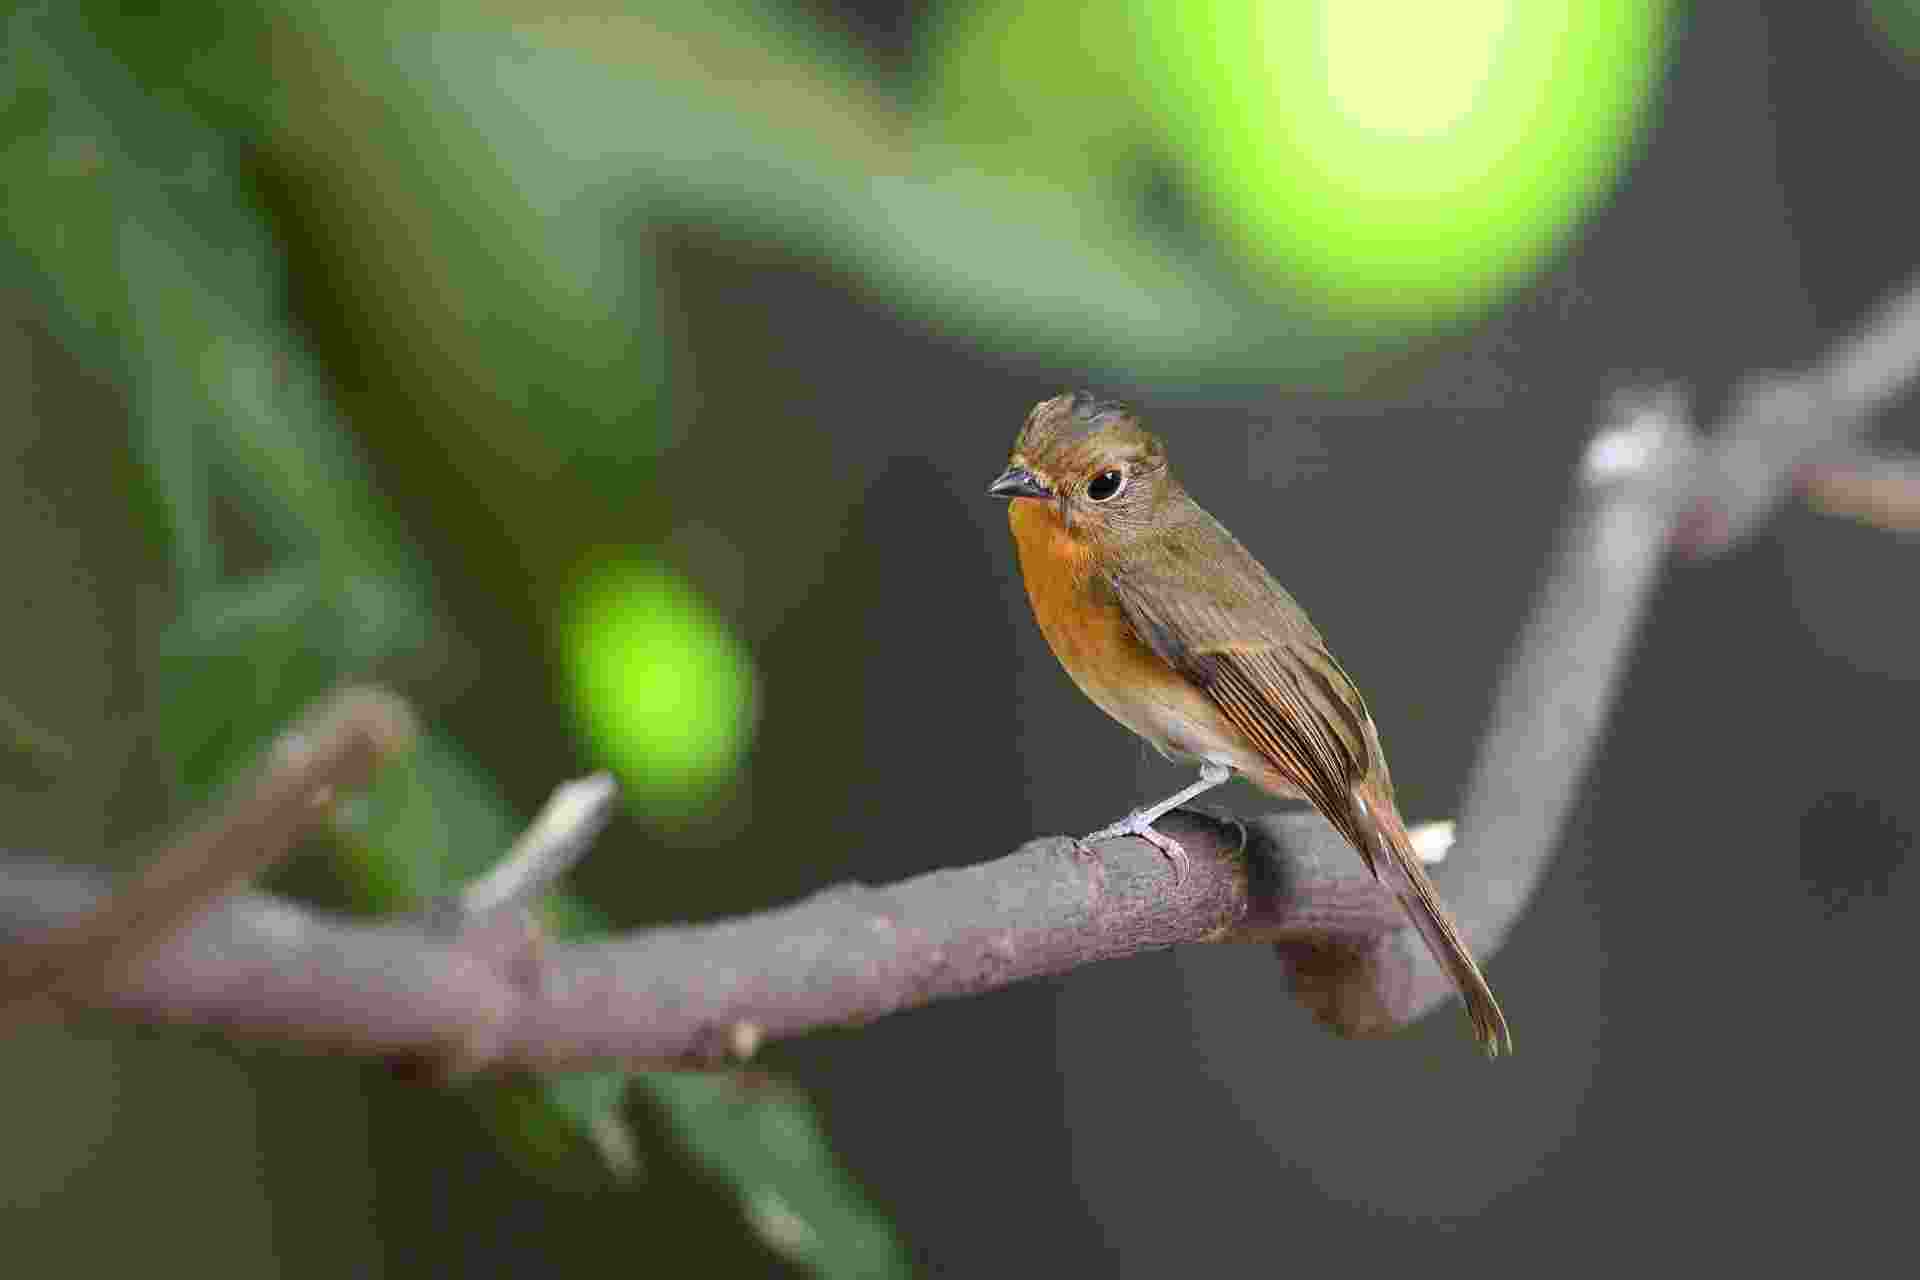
(1131, 683)
(1182, 725)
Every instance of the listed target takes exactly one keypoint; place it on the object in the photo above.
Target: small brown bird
(1173, 629)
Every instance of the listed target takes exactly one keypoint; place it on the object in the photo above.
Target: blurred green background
(620, 382)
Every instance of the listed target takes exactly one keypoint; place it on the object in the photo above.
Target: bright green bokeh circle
(1400, 159)
(662, 688)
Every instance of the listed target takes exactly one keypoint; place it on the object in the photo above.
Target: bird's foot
(1138, 824)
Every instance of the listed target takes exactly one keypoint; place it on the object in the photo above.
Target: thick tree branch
(704, 994)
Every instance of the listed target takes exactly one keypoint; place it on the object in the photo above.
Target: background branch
(1781, 421)
(1645, 486)
(1547, 718)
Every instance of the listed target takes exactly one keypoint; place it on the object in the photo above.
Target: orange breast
(1058, 569)
(1090, 635)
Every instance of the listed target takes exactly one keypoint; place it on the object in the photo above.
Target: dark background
(1706, 992)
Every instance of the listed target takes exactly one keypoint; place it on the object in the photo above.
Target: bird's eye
(1105, 485)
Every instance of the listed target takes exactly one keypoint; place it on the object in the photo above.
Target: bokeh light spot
(1413, 69)
(663, 689)
(1399, 162)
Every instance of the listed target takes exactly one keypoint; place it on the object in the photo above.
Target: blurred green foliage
(1065, 106)
(804, 1213)
(133, 218)
(466, 202)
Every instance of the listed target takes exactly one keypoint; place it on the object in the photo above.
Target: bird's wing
(1240, 638)
(1218, 618)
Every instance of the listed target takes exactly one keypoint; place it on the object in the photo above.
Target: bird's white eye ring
(1105, 485)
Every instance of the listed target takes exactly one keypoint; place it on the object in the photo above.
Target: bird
(1170, 626)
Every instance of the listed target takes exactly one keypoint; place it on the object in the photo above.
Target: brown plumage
(1172, 628)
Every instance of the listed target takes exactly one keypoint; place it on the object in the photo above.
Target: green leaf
(766, 1140)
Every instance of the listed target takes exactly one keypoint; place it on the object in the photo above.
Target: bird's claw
(1133, 825)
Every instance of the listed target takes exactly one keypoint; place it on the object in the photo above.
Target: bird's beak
(1018, 482)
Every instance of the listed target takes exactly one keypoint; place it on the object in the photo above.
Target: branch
(1782, 421)
(336, 747)
(1646, 488)
(559, 837)
(700, 995)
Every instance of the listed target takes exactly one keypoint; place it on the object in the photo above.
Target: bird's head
(1090, 460)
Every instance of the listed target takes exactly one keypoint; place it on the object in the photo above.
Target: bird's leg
(1140, 821)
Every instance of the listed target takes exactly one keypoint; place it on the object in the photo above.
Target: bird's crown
(1066, 431)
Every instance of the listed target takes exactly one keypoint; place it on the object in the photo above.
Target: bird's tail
(1400, 869)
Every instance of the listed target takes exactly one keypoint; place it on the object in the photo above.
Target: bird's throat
(1048, 547)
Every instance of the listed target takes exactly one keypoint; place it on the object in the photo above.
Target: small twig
(1878, 489)
(338, 745)
(557, 838)
(494, 920)
(1782, 421)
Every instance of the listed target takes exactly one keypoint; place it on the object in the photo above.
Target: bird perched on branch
(1168, 624)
